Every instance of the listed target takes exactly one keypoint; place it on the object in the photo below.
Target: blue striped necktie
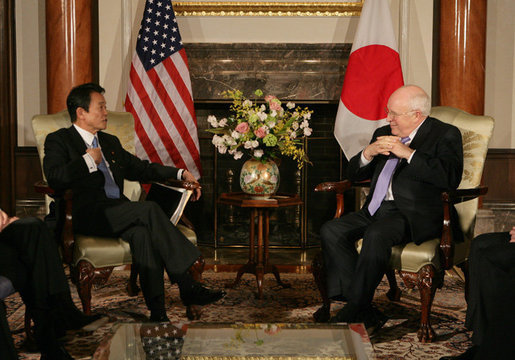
(383, 181)
(111, 189)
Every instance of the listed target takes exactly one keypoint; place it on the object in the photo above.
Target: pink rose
(260, 133)
(275, 105)
(269, 98)
(242, 128)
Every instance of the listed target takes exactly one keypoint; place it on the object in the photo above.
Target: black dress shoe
(58, 353)
(159, 317)
(467, 355)
(198, 294)
(346, 314)
(373, 319)
(76, 319)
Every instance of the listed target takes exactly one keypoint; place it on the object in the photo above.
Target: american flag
(159, 94)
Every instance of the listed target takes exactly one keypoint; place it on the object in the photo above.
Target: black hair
(80, 97)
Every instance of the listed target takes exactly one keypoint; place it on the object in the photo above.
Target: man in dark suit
(491, 298)
(30, 260)
(93, 164)
(409, 162)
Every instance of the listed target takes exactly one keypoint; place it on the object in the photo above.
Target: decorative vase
(259, 179)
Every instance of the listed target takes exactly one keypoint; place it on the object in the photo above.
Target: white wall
(500, 72)
(30, 66)
(119, 24)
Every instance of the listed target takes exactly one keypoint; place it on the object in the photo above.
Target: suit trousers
(156, 244)
(491, 302)
(355, 276)
(30, 259)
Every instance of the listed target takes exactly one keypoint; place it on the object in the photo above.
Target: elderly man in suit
(29, 258)
(409, 162)
(94, 164)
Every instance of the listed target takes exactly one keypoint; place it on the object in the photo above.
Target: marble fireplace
(307, 74)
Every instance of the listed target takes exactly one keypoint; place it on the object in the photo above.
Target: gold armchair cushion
(101, 251)
(412, 257)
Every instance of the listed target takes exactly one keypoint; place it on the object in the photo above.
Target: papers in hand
(173, 203)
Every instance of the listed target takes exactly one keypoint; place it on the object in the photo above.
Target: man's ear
(80, 112)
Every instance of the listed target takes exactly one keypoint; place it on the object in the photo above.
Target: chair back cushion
(476, 132)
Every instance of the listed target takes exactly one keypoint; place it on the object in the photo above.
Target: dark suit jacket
(65, 168)
(436, 166)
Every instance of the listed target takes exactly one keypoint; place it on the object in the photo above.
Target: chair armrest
(450, 198)
(339, 187)
(462, 195)
(42, 187)
(67, 239)
(188, 185)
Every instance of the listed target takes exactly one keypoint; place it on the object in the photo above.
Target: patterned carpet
(397, 340)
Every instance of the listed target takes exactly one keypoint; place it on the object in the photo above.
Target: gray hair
(420, 101)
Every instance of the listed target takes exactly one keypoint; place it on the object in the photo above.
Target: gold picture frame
(269, 8)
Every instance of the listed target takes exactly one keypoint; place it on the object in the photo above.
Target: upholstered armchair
(92, 258)
(424, 265)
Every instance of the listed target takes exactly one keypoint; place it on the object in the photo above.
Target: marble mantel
(307, 73)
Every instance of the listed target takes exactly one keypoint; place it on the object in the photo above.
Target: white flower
(258, 153)
(262, 116)
(271, 124)
(304, 124)
(247, 103)
(307, 131)
(238, 155)
(217, 140)
(228, 140)
(273, 113)
(248, 144)
(295, 125)
(262, 108)
(307, 116)
(293, 135)
(222, 149)
(235, 134)
(222, 122)
(255, 144)
(211, 119)
(231, 151)
(290, 105)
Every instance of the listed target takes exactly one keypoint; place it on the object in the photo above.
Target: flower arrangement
(262, 130)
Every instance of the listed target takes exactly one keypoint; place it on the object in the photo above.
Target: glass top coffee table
(236, 341)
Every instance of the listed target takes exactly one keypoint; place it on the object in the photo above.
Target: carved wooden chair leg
(428, 282)
(85, 275)
(323, 314)
(394, 294)
(132, 285)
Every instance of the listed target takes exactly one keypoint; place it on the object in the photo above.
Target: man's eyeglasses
(392, 114)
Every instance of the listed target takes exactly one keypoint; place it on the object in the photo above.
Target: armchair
(424, 265)
(92, 258)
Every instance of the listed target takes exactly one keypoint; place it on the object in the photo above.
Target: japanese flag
(373, 73)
